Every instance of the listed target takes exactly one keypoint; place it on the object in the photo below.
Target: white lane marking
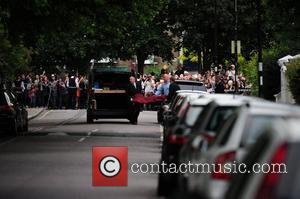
(8, 141)
(81, 139)
(45, 114)
(88, 135)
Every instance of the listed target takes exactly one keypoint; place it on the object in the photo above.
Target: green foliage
(293, 75)
(152, 69)
(272, 70)
(13, 58)
(188, 56)
(249, 69)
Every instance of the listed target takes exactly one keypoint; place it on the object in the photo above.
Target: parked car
(278, 145)
(191, 85)
(184, 85)
(170, 116)
(231, 144)
(174, 138)
(13, 115)
(206, 127)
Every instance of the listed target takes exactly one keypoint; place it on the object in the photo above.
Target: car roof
(228, 99)
(188, 82)
(202, 101)
(271, 108)
(287, 129)
(191, 91)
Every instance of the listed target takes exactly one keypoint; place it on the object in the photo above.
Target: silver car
(273, 163)
(231, 144)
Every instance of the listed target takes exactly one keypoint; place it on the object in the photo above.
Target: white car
(206, 127)
(278, 145)
(231, 144)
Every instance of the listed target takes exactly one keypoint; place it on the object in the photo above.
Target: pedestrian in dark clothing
(219, 85)
(179, 71)
(72, 85)
(172, 89)
(62, 94)
(53, 92)
(83, 92)
(134, 88)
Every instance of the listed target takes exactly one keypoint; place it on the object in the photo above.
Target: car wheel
(89, 119)
(163, 185)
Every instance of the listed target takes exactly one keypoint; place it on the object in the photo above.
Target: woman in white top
(149, 86)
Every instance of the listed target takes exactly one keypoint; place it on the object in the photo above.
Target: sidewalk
(34, 112)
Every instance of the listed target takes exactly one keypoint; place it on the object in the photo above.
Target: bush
(249, 70)
(152, 69)
(293, 76)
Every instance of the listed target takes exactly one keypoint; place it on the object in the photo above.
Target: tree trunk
(199, 61)
(141, 60)
(216, 22)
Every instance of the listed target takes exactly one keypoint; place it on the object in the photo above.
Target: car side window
(219, 115)
(256, 124)
(230, 125)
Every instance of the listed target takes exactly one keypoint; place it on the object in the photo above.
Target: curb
(36, 115)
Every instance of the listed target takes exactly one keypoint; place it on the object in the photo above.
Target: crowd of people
(216, 80)
(69, 91)
(52, 91)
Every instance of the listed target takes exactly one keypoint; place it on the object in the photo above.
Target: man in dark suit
(172, 89)
(133, 89)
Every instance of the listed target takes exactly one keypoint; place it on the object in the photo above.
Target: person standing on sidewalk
(62, 93)
(83, 92)
(72, 85)
(134, 88)
(53, 92)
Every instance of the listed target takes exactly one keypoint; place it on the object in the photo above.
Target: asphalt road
(54, 160)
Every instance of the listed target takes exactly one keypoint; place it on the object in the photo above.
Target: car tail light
(177, 139)
(271, 179)
(219, 172)
(7, 108)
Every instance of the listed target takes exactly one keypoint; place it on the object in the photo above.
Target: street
(54, 159)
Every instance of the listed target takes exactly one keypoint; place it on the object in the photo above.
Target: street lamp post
(260, 54)
(236, 46)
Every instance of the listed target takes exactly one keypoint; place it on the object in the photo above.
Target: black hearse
(107, 96)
